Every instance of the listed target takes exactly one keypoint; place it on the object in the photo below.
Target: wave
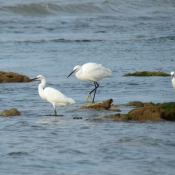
(81, 40)
(61, 40)
(85, 7)
(162, 38)
(55, 8)
(18, 153)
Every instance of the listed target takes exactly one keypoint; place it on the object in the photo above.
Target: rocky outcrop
(144, 112)
(11, 77)
(99, 105)
(10, 112)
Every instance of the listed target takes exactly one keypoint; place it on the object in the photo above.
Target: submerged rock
(10, 112)
(117, 117)
(99, 105)
(9, 77)
(135, 103)
(96, 120)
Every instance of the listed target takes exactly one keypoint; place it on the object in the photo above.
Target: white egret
(55, 97)
(91, 72)
(173, 78)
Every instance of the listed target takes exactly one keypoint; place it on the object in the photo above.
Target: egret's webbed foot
(88, 97)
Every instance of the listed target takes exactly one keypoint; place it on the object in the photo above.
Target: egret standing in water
(55, 97)
(91, 72)
(173, 79)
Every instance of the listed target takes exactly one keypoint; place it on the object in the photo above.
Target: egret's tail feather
(71, 101)
(109, 72)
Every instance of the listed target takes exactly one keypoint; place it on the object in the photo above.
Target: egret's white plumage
(173, 78)
(91, 72)
(55, 97)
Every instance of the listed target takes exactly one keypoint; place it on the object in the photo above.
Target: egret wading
(173, 78)
(91, 72)
(55, 97)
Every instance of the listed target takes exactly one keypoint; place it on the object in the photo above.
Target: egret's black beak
(33, 79)
(71, 73)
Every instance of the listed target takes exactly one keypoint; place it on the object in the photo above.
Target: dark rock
(77, 117)
(10, 112)
(9, 77)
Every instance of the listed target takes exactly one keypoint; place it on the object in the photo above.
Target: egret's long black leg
(96, 86)
(55, 112)
(93, 90)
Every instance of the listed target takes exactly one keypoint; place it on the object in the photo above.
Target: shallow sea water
(50, 38)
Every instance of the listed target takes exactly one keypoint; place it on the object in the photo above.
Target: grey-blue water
(50, 38)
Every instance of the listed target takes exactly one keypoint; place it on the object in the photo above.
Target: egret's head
(75, 69)
(38, 78)
(172, 73)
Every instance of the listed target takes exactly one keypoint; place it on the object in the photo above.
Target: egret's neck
(41, 90)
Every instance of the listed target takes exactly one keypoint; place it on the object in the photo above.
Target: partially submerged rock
(10, 112)
(9, 77)
(147, 73)
(99, 105)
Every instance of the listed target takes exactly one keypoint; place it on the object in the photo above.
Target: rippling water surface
(50, 38)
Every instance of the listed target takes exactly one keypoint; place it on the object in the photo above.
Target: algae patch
(169, 107)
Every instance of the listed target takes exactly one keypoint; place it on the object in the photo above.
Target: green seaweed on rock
(147, 73)
(169, 106)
